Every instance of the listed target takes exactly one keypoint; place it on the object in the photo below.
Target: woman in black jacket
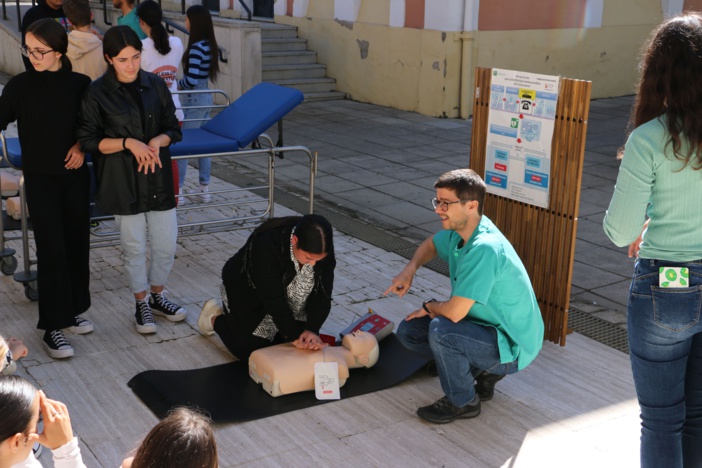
(277, 288)
(127, 123)
(45, 102)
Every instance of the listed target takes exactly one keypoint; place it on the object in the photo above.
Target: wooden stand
(544, 238)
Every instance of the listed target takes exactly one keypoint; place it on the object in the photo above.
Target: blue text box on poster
(496, 180)
(538, 179)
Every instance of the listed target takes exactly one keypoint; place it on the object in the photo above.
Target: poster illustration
(520, 130)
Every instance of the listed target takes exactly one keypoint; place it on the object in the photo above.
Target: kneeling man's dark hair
(467, 185)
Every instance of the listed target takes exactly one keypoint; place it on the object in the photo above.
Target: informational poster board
(520, 130)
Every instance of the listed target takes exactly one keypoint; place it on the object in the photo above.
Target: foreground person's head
(184, 439)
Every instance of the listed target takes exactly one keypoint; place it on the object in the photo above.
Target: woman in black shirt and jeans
(127, 123)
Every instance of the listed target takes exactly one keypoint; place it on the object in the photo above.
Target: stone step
(286, 72)
(288, 58)
(308, 85)
(277, 31)
(283, 44)
(330, 96)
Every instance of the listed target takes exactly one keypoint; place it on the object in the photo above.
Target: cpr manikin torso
(284, 369)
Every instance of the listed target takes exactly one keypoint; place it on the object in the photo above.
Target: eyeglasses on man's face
(35, 54)
(444, 205)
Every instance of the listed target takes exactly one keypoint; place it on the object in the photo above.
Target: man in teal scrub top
(491, 325)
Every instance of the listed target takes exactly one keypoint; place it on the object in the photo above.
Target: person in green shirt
(658, 191)
(129, 16)
(491, 325)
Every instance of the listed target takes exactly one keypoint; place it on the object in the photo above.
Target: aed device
(371, 323)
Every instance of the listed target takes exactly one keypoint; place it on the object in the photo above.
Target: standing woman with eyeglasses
(45, 103)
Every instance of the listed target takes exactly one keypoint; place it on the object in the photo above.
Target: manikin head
(363, 347)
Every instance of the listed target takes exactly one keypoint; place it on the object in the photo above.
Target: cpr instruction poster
(520, 130)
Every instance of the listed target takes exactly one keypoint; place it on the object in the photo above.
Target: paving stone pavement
(377, 166)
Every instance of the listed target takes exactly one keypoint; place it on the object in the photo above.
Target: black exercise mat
(230, 395)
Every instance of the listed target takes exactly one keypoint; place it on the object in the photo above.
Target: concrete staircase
(287, 62)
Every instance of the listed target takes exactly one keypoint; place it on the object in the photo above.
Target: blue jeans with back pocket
(665, 348)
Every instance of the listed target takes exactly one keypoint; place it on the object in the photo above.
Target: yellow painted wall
(375, 12)
(408, 69)
(606, 56)
(319, 9)
(421, 70)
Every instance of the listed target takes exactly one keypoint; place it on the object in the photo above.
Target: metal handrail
(171, 24)
(19, 16)
(104, 12)
(248, 12)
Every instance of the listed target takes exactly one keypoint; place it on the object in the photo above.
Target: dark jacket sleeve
(91, 128)
(319, 301)
(268, 271)
(169, 122)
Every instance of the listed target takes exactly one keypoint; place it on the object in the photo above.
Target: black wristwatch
(424, 305)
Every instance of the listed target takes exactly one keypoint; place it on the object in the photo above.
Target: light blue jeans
(162, 228)
(665, 348)
(204, 164)
(462, 351)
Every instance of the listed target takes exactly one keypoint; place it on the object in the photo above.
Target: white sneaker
(203, 192)
(205, 197)
(211, 309)
(10, 369)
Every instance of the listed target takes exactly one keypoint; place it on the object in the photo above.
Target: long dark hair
(17, 396)
(314, 233)
(150, 13)
(201, 29)
(53, 35)
(183, 439)
(671, 69)
(116, 39)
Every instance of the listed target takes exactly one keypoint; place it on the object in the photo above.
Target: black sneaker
(144, 318)
(81, 326)
(57, 345)
(443, 411)
(485, 385)
(165, 308)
